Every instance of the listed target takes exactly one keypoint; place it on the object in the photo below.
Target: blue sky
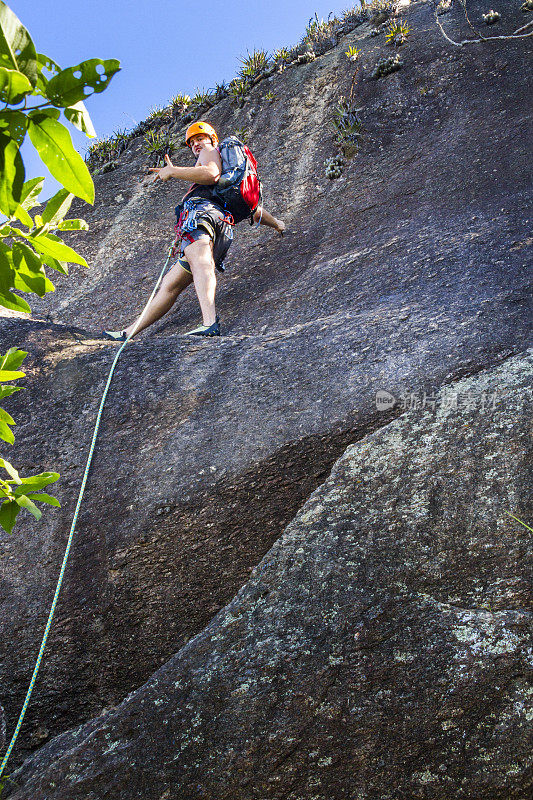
(164, 48)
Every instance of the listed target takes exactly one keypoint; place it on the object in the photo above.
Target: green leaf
(9, 375)
(25, 502)
(13, 86)
(53, 263)
(48, 63)
(53, 113)
(57, 206)
(17, 50)
(12, 132)
(78, 116)
(12, 359)
(13, 124)
(33, 284)
(30, 192)
(73, 225)
(30, 275)
(75, 83)
(15, 303)
(6, 433)
(10, 469)
(53, 143)
(11, 175)
(6, 265)
(45, 62)
(35, 483)
(5, 417)
(25, 258)
(8, 514)
(6, 391)
(49, 247)
(46, 498)
(22, 215)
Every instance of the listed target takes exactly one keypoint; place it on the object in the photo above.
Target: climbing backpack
(238, 188)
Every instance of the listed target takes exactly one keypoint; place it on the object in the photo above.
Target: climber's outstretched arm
(206, 170)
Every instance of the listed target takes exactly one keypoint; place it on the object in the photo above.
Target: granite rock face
(382, 648)
(397, 280)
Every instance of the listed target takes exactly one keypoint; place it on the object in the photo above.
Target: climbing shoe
(206, 330)
(116, 336)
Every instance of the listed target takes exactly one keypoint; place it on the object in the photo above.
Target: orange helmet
(201, 127)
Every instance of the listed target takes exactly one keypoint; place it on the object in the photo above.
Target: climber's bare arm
(206, 171)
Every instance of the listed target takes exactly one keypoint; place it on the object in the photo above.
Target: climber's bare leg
(175, 281)
(200, 257)
(267, 219)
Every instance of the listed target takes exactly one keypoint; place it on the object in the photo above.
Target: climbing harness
(189, 215)
(76, 512)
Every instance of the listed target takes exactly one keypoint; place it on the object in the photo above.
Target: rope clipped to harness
(75, 518)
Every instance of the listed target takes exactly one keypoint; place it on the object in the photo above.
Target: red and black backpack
(238, 189)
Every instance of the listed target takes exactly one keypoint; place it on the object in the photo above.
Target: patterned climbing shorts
(202, 219)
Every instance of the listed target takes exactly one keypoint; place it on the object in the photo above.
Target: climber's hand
(163, 173)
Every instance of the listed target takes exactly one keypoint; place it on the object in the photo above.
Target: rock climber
(202, 249)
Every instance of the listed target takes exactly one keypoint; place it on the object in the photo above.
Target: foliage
(238, 89)
(354, 13)
(109, 148)
(347, 125)
(253, 63)
(156, 144)
(527, 6)
(220, 90)
(353, 53)
(179, 104)
(17, 492)
(316, 28)
(380, 10)
(269, 96)
(159, 114)
(281, 56)
(200, 98)
(334, 167)
(386, 66)
(30, 245)
(242, 134)
(397, 32)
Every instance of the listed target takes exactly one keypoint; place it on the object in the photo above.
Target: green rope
(76, 512)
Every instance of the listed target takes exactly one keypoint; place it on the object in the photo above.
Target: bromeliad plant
(200, 98)
(348, 126)
(317, 28)
(243, 134)
(253, 63)
(36, 92)
(353, 53)
(156, 144)
(281, 56)
(179, 104)
(397, 32)
(238, 90)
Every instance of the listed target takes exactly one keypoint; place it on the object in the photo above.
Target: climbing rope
(76, 512)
